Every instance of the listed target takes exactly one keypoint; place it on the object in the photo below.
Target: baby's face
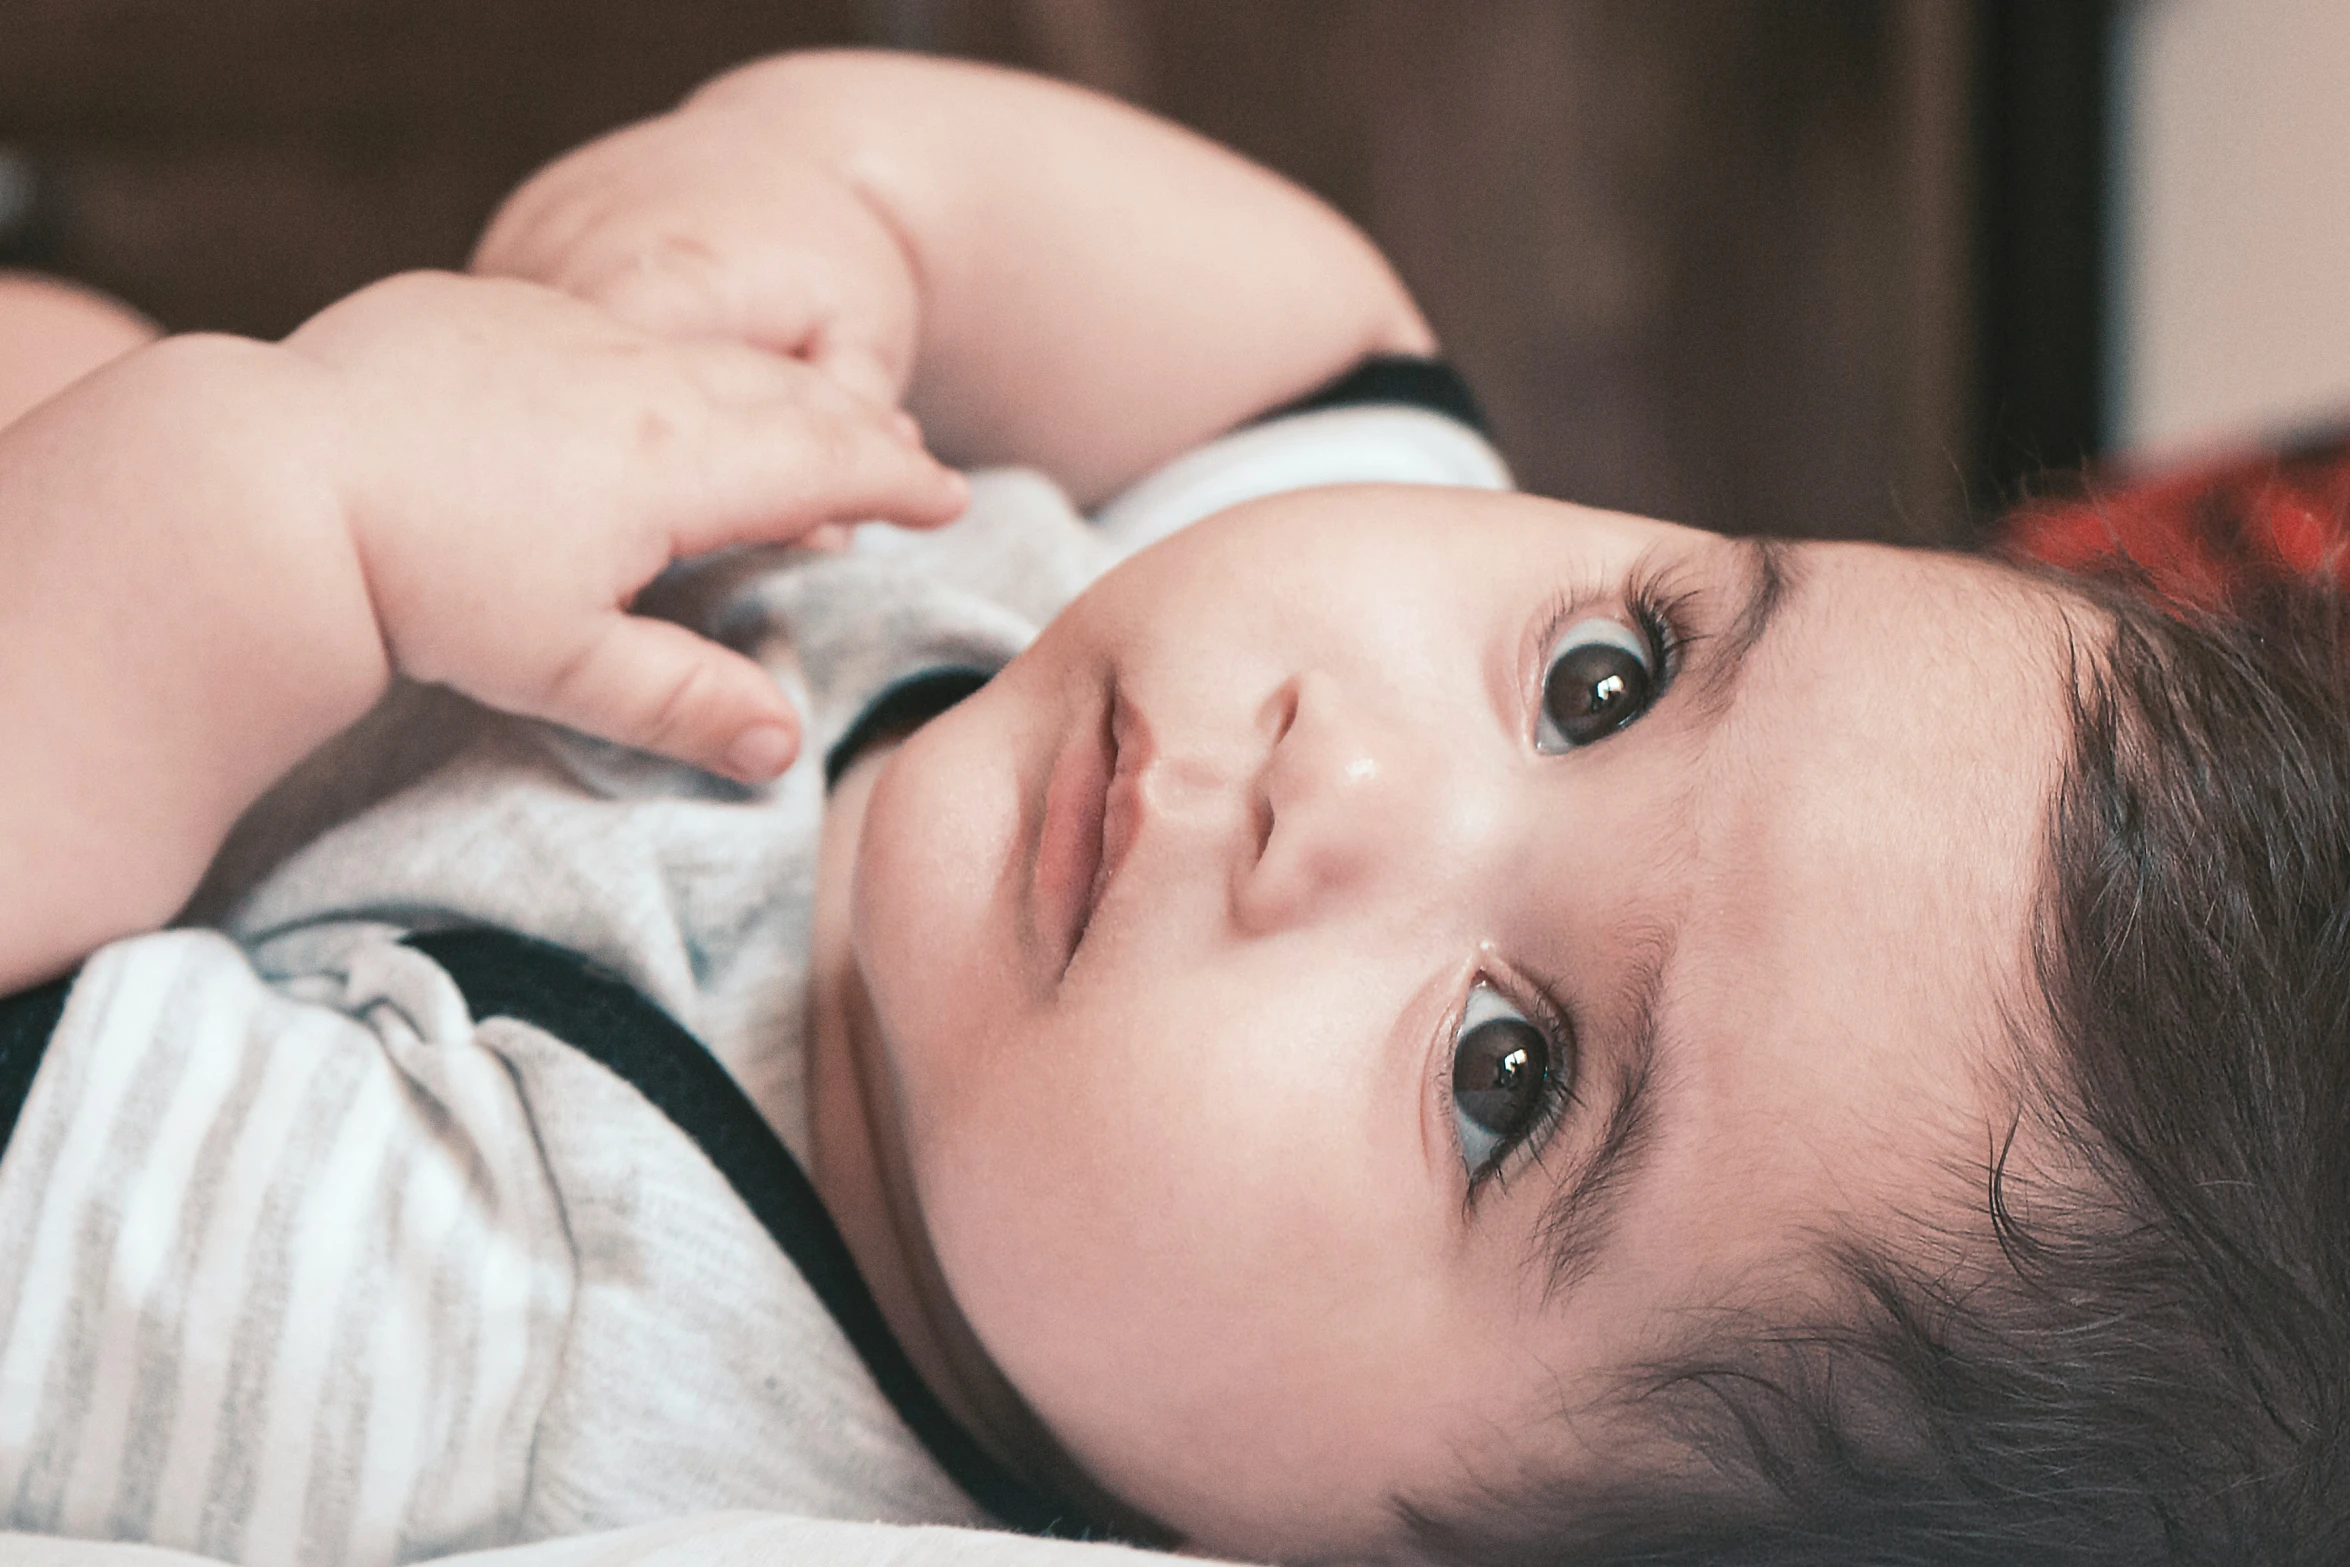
(1384, 953)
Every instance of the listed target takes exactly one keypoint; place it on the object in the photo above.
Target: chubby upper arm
(1049, 277)
(53, 333)
(1101, 288)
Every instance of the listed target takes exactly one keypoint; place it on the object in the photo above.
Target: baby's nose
(1349, 800)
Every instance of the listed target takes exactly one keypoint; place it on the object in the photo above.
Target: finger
(659, 687)
(775, 474)
(866, 375)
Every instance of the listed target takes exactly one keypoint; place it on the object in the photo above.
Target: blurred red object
(2211, 535)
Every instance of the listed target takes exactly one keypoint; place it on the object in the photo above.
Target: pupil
(1595, 689)
(1498, 1070)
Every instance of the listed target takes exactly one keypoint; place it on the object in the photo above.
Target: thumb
(659, 687)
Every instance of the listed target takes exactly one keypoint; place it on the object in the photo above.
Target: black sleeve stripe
(27, 1020)
(507, 975)
(1404, 379)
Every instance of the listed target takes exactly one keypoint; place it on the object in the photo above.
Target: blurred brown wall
(1703, 258)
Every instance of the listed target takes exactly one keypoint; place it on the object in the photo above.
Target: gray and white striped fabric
(343, 1277)
(289, 1287)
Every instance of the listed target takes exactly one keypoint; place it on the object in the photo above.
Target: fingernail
(759, 752)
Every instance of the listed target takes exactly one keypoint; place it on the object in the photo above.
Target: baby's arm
(214, 554)
(53, 333)
(1050, 277)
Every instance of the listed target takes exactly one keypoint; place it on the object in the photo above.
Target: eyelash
(1654, 609)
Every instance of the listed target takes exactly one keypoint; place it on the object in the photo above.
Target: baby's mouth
(1092, 814)
(1130, 754)
(1069, 842)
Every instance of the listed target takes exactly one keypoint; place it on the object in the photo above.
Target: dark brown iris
(1498, 1069)
(1592, 690)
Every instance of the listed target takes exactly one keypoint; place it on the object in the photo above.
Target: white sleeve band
(1363, 443)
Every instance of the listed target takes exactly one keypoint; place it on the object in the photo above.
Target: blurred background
(1832, 267)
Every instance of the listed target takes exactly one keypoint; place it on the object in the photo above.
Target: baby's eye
(1503, 1077)
(1600, 677)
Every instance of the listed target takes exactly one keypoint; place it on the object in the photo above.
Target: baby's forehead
(1897, 740)
(1868, 846)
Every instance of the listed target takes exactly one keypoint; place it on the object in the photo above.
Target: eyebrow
(1770, 572)
(1576, 1226)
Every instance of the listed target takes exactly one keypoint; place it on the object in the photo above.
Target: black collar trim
(903, 705)
(503, 974)
(27, 1019)
(1395, 380)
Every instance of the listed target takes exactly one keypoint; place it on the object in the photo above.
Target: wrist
(225, 526)
(180, 622)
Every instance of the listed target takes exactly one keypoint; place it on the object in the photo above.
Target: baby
(1410, 1021)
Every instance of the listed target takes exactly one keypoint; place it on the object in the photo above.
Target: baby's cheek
(1150, 1228)
(1071, 1190)
(1217, 1317)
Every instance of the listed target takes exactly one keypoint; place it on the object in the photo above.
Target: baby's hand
(515, 465)
(704, 223)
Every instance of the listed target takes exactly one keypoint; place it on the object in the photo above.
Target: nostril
(1275, 719)
(1280, 710)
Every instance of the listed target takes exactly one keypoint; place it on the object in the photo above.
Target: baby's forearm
(1099, 289)
(182, 617)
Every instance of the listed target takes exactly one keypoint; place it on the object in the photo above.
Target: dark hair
(2155, 1364)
